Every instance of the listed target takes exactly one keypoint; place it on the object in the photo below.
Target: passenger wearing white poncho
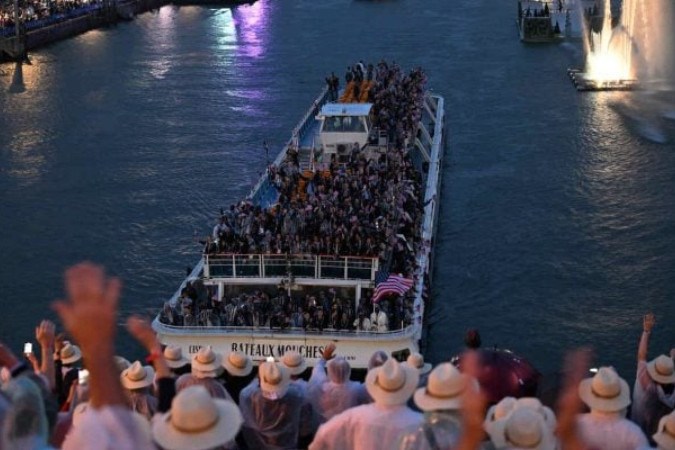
(376, 425)
(332, 394)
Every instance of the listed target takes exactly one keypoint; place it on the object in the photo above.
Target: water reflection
(17, 85)
(251, 23)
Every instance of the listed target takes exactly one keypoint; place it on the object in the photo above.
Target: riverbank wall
(14, 48)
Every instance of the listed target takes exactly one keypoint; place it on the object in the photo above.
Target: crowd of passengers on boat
(360, 207)
(319, 311)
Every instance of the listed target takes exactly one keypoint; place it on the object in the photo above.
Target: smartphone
(27, 348)
(83, 376)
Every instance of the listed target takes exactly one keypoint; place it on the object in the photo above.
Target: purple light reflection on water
(252, 26)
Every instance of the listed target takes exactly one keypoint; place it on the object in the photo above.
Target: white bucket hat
(665, 434)
(444, 389)
(524, 428)
(416, 360)
(606, 391)
(294, 362)
(137, 376)
(174, 357)
(206, 363)
(274, 379)
(392, 383)
(661, 369)
(196, 421)
(70, 354)
(496, 414)
(238, 364)
(82, 409)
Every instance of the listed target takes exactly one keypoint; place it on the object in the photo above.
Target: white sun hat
(665, 434)
(238, 364)
(137, 376)
(606, 391)
(174, 357)
(416, 360)
(274, 379)
(196, 421)
(444, 389)
(392, 383)
(294, 362)
(81, 412)
(70, 354)
(661, 369)
(206, 363)
(524, 428)
(496, 414)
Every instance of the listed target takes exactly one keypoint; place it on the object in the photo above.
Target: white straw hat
(606, 391)
(661, 369)
(174, 357)
(81, 412)
(392, 383)
(524, 428)
(294, 362)
(274, 379)
(496, 414)
(206, 363)
(665, 434)
(70, 354)
(137, 376)
(196, 421)
(416, 360)
(444, 389)
(238, 364)
(534, 404)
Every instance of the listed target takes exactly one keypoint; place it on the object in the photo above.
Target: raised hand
(569, 404)
(328, 351)
(90, 316)
(90, 312)
(141, 330)
(473, 405)
(648, 322)
(45, 334)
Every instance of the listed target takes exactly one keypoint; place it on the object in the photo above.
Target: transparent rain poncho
(270, 424)
(216, 389)
(334, 393)
(440, 429)
(25, 422)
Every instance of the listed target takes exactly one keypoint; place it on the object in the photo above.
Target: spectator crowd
(37, 13)
(77, 394)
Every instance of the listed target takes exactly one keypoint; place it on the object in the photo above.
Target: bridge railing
(300, 266)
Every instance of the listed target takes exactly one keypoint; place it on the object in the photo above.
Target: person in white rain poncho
(605, 427)
(377, 425)
(441, 401)
(272, 409)
(330, 395)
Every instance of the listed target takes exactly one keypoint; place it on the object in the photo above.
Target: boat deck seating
(349, 94)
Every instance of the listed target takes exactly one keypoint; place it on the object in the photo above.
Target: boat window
(344, 124)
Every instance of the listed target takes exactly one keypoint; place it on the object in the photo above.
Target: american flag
(386, 284)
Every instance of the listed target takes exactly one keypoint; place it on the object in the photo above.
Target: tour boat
(328, 132)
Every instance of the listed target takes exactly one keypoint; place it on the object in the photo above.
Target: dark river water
(557, 225)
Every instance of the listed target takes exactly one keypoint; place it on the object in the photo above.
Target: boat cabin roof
(345, 109)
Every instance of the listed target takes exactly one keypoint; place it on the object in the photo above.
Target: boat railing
(299, 266)
(285, 332)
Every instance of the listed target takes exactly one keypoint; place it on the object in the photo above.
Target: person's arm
(473, 407)
(647, 325)
(89, 314)
(44, 334)
(569, 404)
(141, 330)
